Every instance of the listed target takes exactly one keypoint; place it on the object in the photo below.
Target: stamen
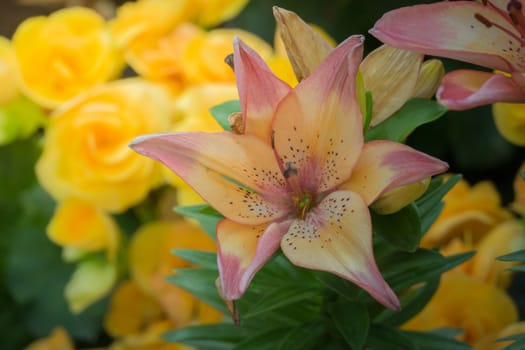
(487, 23)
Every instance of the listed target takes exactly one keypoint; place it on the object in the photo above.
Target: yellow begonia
(518, 204)
(192, 113)
(464, 302)
(86, 153)
(9, 86)
(82, 226)
(510, 121)
(57, 340)
(468, 210)
(65, 54)
(148, 305)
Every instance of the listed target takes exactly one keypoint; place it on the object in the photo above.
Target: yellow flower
(151, 260)
(9, 86)
(86, 152)
(464, 302)
(192, 113)
(489, 341)
(213, 12)
(144, 307)
(64, 54)
(57, 340)
(203, 60)
(468, 210)
(519, 192)
(80, 225)
(510, 121)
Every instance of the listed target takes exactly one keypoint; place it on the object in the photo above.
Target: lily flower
(487, 33)
(299, 177)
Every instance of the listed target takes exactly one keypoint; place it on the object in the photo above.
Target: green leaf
(431, 341)
(522, 174)
(207, 217)
(201, 283)
(282, 296)
(198, 257)
(268, 339)
(514, 256)
(517, 339)
(19, 119)
(518, 268)
(411, 304)
(369, 104)
(384, 337)
(399, 125)
(342, 287)
(352, 322)
(304, 336)
(222, 112)
(220, 336)
(401, 229)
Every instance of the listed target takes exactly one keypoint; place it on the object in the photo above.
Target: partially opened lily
(486, 33)
(299, 177)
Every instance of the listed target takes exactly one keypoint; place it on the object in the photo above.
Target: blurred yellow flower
(468, 210)
(210, 13)
(86, 153)
(82, 226)
(489, 341)
(192, 113)
(518, 204)
(57, 340)
(510, 121)
(64, 54)
(144, 307)
(464, 302)
(9, 86)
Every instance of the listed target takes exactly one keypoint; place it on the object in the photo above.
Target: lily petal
(385, 165)
(259, 90)
(235, 174)
(306, 49)
(465, 89)
(337, 237)
(242, 251)
(317, 128)
(463, 30)
(390, 74)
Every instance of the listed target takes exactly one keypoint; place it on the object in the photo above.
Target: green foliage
(518, 341)
(401, 229)
(402, 123)
(222, 112)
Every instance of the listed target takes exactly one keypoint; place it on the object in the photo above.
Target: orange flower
(57, 340)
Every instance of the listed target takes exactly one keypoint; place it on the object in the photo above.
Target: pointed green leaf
(434, 195)
(305, 336)
(198, 257)
(352, 322)
(384, 337)
(268, 339)
(431, 341)
(401, 229)
(399, 125)
(514, 256)
(222, 112)
(220, 336)
(204, 214)
(411, 304)
(369, 104)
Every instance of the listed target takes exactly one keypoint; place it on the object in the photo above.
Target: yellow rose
(203, 59)
(80, 225)
(464, 302)
(151, 260)
(86, 153)
(468, 210)
(64, 54)
(9, 87)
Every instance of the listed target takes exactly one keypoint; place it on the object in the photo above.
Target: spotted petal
(242, 251)
(259, 90)
(235, 174)
(458, 30)
(390, 74)
(385, 165)
(336, 237)
(317, 129)
(465, 89)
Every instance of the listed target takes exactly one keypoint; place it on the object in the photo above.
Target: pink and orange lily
(299, 176)
(486, 33)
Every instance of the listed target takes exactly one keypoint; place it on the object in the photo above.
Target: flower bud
(429, 78)
(399, 197)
